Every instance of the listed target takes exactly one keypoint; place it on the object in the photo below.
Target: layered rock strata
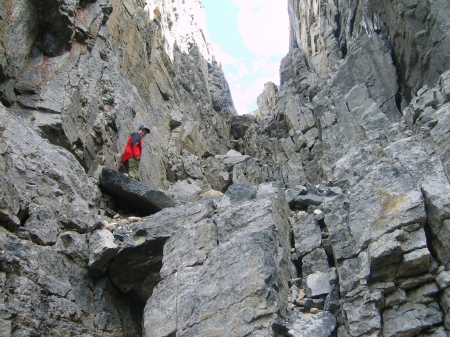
(76, 78)
(348, 115)
(324, 214)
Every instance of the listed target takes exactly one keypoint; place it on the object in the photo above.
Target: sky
(249, 38)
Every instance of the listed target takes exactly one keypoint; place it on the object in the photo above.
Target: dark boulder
(137, 195)
(303, 201)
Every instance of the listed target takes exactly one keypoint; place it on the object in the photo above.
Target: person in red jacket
(133, 151)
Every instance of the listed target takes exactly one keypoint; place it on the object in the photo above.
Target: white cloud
(266, 67)
(246, 79)
(245, 93)
(243, 70)
(263, 25)
(222, 57)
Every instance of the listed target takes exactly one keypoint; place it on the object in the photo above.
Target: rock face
(326, 213)
(251, 292)
(87, 86)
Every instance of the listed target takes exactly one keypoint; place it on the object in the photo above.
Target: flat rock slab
(233, 160)
(136, 194)
(306, 200)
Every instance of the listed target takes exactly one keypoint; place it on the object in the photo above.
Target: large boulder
(236, 266)
(137, 195)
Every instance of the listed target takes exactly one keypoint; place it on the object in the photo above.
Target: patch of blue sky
(249, 38)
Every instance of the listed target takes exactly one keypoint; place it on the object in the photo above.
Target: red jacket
(133, 147)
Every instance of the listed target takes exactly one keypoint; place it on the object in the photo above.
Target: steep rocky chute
(327, 213)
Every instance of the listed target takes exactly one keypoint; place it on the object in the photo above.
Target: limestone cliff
(324, 214)
(363, 106)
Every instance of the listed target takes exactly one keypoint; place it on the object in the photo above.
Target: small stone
(300, 296)
(110, 226)
(211, 192)
(317, 284)
(443, 279)
(314, 311)
(134, 218)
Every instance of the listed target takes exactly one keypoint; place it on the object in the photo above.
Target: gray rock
(102, 250)
(293, 171)
(392, 203)
(434, 332)
(249, 216)
(267, 191)
(136, 267)
(266, 101)
(387, 252)
(303, 201)
(443, 279)
(362, 317)
(314, 262)
(241, 191)
(317, 284)
(185, 190)
(74, 87)
(410, 318)
(41, 173)
(198, 242)
(215, 173)
(342, 332)
(247, 170)
(192, 305)
(332, 300)
(423, 294)
(9, 205)
(43, 226)
(353, 271)
(233, 160)
(436, 189)
(303, 325)
(445, 305)
(298, 117)
(79, 220)
(291, 193)
(307, 234)
(176, 118)
(191, 165)
(73, 245)
(138, 195)
(395, 298)
(254, 251)
(414, 263)
(240, 124)
(412, 282)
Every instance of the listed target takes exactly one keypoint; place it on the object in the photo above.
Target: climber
(133, 150)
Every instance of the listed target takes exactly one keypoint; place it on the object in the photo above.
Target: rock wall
(415, 32)
(76, 78)
(326, 213)
(362, 113)
(100, 69)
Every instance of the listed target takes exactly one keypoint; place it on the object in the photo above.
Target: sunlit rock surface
(326, 213)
